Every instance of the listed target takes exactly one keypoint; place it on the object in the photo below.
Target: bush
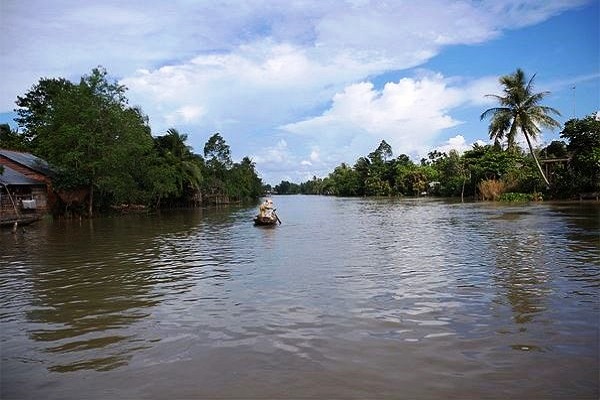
(491, 189)
(516, 197)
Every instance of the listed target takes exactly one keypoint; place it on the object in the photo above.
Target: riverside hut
(25, 187)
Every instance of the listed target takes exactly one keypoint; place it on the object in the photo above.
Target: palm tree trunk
(536, 160)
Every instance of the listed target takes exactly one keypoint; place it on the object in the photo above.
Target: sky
(301, 86)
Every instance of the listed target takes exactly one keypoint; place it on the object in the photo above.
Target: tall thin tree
(520, 111)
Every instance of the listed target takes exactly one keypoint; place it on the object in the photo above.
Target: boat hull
(265, 221)
(23, 220)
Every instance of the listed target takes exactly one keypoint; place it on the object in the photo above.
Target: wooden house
(25, 187)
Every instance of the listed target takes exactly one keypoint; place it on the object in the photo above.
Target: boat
(18, 221)
(266, 215)
(267, 220)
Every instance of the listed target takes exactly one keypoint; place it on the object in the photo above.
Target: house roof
(12, 177)
(28, 160)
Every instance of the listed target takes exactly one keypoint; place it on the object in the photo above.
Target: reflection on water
(347, 298)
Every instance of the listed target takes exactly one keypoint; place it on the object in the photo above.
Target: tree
(181, 177)
(286, 187)
(383, 151)
(217, 152)
(174, 143)
(313, 186)
(520, 111)
(218, 161)
(344, 181)
(90, 133)
(452, 171)
(584, 147)
(11, 140)
(362, 167)
(244, 183)
(556, 149)
(35, 109)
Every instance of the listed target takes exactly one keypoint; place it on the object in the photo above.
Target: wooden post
(12, 201)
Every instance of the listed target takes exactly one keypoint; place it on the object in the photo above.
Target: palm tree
(520, 111)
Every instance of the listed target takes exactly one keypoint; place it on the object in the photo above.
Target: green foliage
(97, 141)
(513, 197)
(243, 183)
(487, 162)
(89, 130)
(584, 148)
(382, 153)
(175, 176)
(486, 168)
(314, 186)
(345, 181)
(226, 181)
(286, 187)
(11, 140)
(556, 149)
(519, 111)
(217, 152)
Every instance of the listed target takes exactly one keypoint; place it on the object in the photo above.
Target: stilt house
(25, 187)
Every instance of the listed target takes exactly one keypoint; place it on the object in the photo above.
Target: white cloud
(247, 68)
(274, 154)
(519, 13)
(459, 144)
(314, 155)
(185, 114)
(408, 114)
(62, 38)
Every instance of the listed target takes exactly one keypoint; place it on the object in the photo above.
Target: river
(347, 298)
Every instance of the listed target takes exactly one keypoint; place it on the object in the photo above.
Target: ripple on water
(377, 290)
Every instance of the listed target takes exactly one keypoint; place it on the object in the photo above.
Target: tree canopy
(101, 143)
(520, 111)
(576, 169)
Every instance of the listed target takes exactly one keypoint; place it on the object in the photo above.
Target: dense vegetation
(107, 157)
(487, 172)
(104, 149)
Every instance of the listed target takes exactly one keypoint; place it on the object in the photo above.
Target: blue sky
(301, 86)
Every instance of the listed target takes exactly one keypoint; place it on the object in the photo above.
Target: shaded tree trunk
(91, 202)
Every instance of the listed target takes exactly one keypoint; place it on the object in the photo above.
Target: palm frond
(492, 111)
(512, 133)
(529, 87)
(534, 99)
(548, 110)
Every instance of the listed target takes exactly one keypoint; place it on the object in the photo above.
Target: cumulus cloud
(185, 114)
(408, 114)
(62, 38)
(277, 154)
(268, 68)
(459, 144)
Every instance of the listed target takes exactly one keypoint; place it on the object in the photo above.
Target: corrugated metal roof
(28, 160)
(12, 177)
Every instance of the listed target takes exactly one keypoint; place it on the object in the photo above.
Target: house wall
(6, 206)
(19, 193)
(42, 194)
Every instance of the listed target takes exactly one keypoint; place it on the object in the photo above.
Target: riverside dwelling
(25, 187)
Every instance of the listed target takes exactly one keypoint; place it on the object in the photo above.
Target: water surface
(348, 298)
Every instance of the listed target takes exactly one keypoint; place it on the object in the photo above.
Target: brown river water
(347, 298)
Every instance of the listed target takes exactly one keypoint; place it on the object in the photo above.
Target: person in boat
(266, 209)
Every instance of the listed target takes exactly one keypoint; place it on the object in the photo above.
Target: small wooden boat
(267, 221)
(264, 221)
(19, 221)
